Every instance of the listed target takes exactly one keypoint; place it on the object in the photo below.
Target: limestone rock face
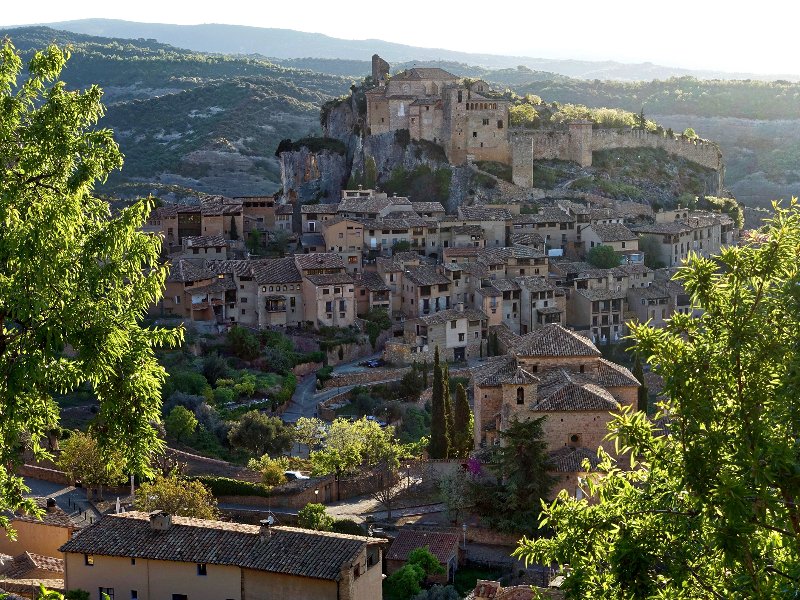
(307, 175)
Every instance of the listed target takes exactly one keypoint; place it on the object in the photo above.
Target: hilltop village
(524, 304)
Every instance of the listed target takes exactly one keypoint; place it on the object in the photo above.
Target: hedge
(225, 486)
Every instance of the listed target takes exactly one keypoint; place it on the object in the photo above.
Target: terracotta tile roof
(27, 564)
(204, 241)
(319, 260)
(220, 205)
(504, 335)
(473, 230)
(673, 228)
(417, 73)
(505, 285)
(610, 374)
(425, 275)
(506, 371)
(220, 283)
(535, 284)
(484, 213)
(321, 209)
(570, 460)
(603, 294)
(285, 209)
(372, 281)
(276, 270)
(236, 267)
(651, 292)
(427, 207)
(287, 550)
(330, 279)
(613, 232)
(443, 546)
(367, 205)
(452, 314)
(186, 270)
(563, 391)
(546, 214)
(555, 340)
(527, 238)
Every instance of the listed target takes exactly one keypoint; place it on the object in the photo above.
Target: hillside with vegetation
(188, 121)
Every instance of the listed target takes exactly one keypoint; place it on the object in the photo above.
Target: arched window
(520, 395)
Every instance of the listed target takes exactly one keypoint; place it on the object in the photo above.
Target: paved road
(305, 398)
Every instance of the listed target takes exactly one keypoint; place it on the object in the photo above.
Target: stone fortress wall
(581, 140)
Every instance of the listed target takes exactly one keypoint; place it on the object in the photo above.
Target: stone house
(676, 233)
(258, 212)
(457, 332)
(328, 290)
(284, 218)
(41, 537)
(616, 235)
(313, 216)
(557, 227)
(558, 374)
(600, 312)
(542, 303)
(650, 304)
(444, 546)
(279, 292)
(345, 237)
(372, 292)
(495, 222)
(141, 556)
(210, 247)
(424, 290)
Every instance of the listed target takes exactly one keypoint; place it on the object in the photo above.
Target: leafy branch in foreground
(75, 279)
(709, 505)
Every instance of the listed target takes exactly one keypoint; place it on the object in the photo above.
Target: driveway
(70, 499)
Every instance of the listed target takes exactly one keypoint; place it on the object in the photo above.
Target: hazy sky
(757, 36)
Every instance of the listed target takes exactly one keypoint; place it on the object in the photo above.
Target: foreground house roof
(286, 550)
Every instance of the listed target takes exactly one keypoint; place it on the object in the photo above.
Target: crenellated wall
(579, 142)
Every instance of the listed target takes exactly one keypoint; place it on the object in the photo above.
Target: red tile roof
(442, 545)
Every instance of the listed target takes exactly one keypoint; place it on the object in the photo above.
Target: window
(103, 592)
(88, 560)
(201, 569)
(474, 134)
(244, 300)
(499, 124)
(486, 121)
(520, 396)
(244, 311)
(133, 561)
(583, 367)
(461, 337)
(180, 597)
(134, 595)
(452, 324)
(476, 335)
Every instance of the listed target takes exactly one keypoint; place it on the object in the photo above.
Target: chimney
(265, 532)
(160, 521)
(460, 307)
(51, 505)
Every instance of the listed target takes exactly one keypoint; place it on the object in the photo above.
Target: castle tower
(580, 142)
(380, 70)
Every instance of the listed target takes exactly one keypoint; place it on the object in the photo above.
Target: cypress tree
(642, 392)
(464, 424)
(438, 444)
(234, 230)
(448, 412)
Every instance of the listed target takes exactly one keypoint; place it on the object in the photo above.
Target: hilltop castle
(471, 123)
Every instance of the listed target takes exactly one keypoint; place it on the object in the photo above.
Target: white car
(292, 475)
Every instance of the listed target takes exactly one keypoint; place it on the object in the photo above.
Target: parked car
(378, 362)
(292, 475)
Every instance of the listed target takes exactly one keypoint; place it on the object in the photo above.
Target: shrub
(243, 343)
(347, 526)
(313, 516)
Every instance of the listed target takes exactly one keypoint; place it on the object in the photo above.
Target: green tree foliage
(523, 115)
(378, 320)
(411, 385)
(603, 257)
(176, 496)
(234, 232)
(448, 411)
(689, 133)
(642, 392)
(463, 424)
(520, 464)
(72, 275)
(272, 469)
(243, 343)
(258, 434)
(651, 247)
(313, 516)
(215, 367)
(351, 446)
(180, 423)
(710, 511)
(454, 491)
(438, 443)
(310, 432)
(84, 459)
(348, 527)
(406, 582)
(438, 592)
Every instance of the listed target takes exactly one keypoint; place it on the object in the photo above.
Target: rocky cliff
(310, 174)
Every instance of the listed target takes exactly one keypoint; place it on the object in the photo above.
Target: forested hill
(187, 120)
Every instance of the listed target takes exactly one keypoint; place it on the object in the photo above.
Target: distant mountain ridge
(290, 44)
